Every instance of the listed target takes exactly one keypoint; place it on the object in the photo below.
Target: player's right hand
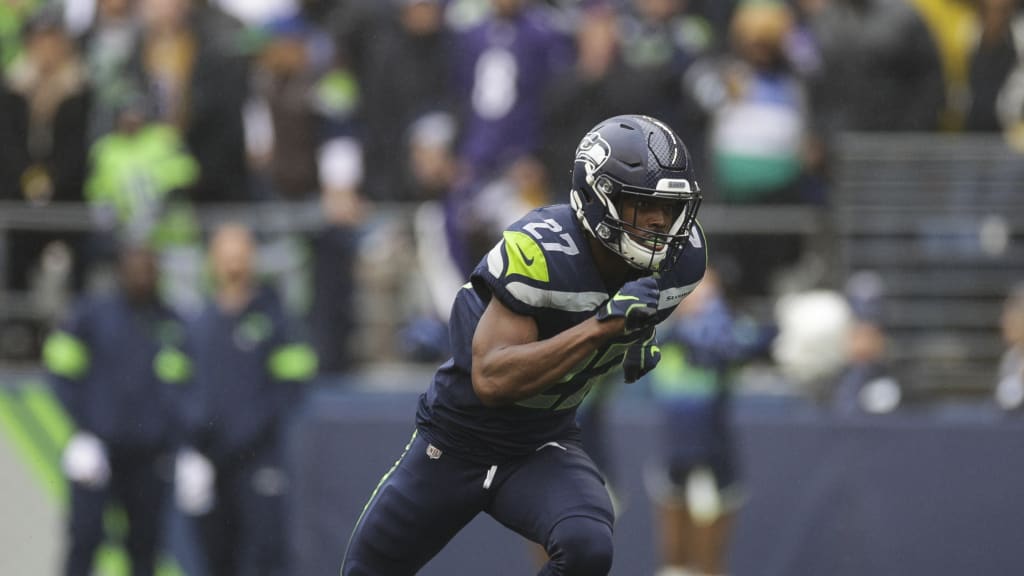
(636, 303)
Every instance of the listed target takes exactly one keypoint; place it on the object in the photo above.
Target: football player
(569, 293)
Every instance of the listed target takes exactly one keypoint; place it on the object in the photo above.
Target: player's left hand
(641, 356)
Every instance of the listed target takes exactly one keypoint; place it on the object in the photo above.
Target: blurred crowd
(463, 112)
(460, 114)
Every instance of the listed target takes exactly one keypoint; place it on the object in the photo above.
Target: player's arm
(509, 362)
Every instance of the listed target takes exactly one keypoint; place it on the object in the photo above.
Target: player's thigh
(555, 483)
(416, 509)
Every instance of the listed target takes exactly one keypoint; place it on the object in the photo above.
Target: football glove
(641, 356)
(636, 302)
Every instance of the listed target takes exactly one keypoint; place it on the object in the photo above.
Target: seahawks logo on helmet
(646, 152)
(593, 151)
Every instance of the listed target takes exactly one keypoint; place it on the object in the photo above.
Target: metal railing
(940, 218)
(377, 293)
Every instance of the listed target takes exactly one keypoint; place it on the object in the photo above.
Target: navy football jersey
(542, 268)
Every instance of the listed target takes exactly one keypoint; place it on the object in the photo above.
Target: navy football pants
(555, 497)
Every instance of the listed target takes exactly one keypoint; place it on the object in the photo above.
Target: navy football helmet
(641, 157)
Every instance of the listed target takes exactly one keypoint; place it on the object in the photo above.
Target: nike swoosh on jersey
(526, 259)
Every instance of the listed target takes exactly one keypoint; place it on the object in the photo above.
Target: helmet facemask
(640, 247)
(639, 159)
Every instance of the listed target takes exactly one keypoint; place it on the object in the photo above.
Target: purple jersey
(502, 68)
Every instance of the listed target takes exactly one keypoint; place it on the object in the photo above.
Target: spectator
(119, 364)
(138, 176)
(335, 250)
(881, 67)
(434, 171)
(759, 122)
(996, 69)
(866, 383)
(303, 138)
(299, 99)
(249, 367)
(502, 68)
(340, 171)
(44, 108)
(630, 60)
(1009, 392)
(597, 87)
(698, 492)
(952, 26)
(660, 40)
(110, 49)
(193, 62)
(136, 189)
(432, 162)
(406, 76)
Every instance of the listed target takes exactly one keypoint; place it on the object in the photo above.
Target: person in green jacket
(138, 177)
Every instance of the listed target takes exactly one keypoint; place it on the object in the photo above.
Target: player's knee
(581, 546)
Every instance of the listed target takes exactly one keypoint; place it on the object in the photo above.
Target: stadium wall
(933, 491)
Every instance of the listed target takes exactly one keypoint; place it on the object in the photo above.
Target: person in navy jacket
(119, 364)
(249, 371)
